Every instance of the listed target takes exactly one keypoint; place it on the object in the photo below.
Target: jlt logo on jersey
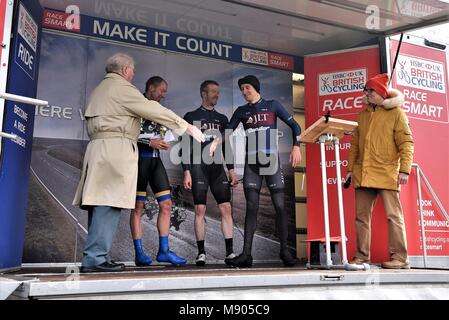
(211, 126)
(261, 118)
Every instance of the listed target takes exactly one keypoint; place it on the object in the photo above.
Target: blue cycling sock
(141, 258)
(138, 246)
(163, 244)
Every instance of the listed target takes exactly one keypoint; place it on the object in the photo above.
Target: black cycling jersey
(213, 125)
(262, 117)
(209, 172)
(257, 118)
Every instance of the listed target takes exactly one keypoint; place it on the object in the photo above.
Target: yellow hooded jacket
(382, 145)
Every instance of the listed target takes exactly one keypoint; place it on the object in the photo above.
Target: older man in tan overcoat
(109, 177)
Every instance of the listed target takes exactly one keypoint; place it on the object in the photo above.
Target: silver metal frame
(23, 99)
(20, 99)
(419, 175)
(345, 264)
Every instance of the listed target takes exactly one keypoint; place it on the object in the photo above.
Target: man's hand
(159, 144)
(295, 156)
(402, 178)
(233, 178)
(348, 175)
(195, 133)
(213, 147)
(187, 180)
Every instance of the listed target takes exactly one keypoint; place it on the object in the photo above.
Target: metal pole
(434, 195)
(8, 135)
(340, 202)
(323, 139)
(22, 99)
(423, 232)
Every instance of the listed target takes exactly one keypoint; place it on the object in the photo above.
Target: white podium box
(328, 130)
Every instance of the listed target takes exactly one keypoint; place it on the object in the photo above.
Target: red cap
(379, 83)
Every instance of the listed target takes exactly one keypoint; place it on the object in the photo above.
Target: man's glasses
(368, 90)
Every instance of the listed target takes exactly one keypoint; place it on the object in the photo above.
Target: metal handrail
(8, 135)
(21, 99)
(420, 174)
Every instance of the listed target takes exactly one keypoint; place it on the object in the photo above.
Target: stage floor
(263, 281)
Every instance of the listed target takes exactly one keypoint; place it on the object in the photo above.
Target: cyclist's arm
(227, 151)
(186, 148)
(289, 120)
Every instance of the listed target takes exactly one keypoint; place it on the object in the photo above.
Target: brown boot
(395, 264)
(357, 260)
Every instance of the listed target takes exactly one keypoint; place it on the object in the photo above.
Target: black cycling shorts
(213, 176)
(152, 170)
(254, 174)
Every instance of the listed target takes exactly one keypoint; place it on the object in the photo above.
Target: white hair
(118, 61)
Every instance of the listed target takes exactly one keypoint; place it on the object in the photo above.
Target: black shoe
(104, 267)
(241, 261)
(287, 259)
(116, 263)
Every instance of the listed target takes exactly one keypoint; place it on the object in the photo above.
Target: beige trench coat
(114, 110)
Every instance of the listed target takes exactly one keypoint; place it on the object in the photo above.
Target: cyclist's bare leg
(141, 259)
(200, 211)
(163, 225)
(226, 219)
(163, 219)
(135, 220)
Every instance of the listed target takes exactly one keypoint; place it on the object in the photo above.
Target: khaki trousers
(365, 199)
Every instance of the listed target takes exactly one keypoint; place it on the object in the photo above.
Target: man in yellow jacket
(380, 160)
(109, 177)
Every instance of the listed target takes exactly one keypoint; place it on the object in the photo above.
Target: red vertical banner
(334, 82)
(421, 74)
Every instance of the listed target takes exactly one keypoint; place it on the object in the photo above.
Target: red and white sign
(421, 74)
(339, 92)
(274, 60)
(59, 20)
(255, 56)
(27, 28)
(334, 82)
(415, 8)
(280, 61)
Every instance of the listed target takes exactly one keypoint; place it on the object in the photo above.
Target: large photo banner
(56, 230)
(421, 74)
(334, 83)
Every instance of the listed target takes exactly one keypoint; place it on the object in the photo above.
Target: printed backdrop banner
(56, 230)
